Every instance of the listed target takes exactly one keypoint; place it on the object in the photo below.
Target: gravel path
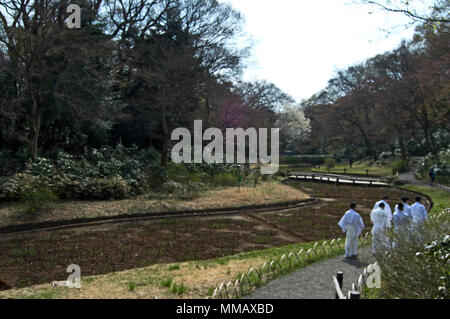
(410, 177)
(316, 281)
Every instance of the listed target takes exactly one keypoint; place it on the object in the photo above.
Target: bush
(400, 166)
(303, 159)
(225, 179)
(330, 162)
(417, 266)
(37, 200)
(21, 183)
(93, 188)
(34, 194)
(400, 182)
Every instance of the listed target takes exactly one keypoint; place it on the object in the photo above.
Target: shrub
(400, 182)
(303, 159)
(330, 162)
(110, 188)
(34, 194)
(92, 188)
(37, 200)
(417, 266)
(177, 172)
(400, 166)
(21, 183)
(224, 180)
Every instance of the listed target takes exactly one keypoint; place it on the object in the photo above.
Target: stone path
(316, 281)
(411, 178)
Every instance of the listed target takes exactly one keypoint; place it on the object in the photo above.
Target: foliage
(330, 162)
(225, 179)
(400, 166)
(33, 194)
(417, 265)
(440, 165)
(303, 159)
(439, 251)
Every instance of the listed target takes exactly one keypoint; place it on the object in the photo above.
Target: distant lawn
(356, 169)
(440, 198)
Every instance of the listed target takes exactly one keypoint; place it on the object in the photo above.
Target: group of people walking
(405, 218)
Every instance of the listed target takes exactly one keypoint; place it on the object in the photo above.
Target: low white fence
(269, 270)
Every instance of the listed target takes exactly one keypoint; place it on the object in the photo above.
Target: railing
(359, 287)
(269, 270)
(325, 169)
(337, 179)
(356, 288)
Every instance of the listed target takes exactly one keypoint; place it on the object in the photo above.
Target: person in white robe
(402, 217)
(402, 220)
(418, 212)
(387, 208)
(381, 223)
(352, 225)
(406, 207)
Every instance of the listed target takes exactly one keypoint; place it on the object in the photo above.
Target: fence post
(340, 279)
(355, 295)
(367, 172)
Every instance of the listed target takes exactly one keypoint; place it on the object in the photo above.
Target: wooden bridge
(337, 179)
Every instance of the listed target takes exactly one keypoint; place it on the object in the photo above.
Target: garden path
(316, 281)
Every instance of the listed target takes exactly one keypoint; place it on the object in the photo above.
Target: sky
(299, 44)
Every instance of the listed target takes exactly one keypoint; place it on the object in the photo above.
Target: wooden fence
(359, 287)
(356, 289)
(270, 270)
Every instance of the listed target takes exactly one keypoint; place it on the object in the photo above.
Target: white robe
(419, 213)
(387, 208)
(381, 222)
(406, 209)
(401, 218)
(402, 221)
(352, 225)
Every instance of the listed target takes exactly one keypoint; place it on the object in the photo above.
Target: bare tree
(434, 15)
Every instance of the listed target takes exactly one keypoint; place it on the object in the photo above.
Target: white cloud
(299, 44)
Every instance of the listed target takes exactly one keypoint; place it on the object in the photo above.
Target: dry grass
(199, 278)
(267, 193)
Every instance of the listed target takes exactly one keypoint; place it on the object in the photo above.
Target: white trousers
(351, 241)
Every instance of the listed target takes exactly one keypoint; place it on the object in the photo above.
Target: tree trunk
(165, 130)
(35, 127)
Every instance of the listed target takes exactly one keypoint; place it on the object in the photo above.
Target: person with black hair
(387, 208)
(381, 222)
(402, 221)
(401, 217)
(352, 225)
(406, 207)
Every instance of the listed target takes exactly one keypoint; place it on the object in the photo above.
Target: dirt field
(42, 257)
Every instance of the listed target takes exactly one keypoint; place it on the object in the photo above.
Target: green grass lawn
(440, 198)
(357, 170)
